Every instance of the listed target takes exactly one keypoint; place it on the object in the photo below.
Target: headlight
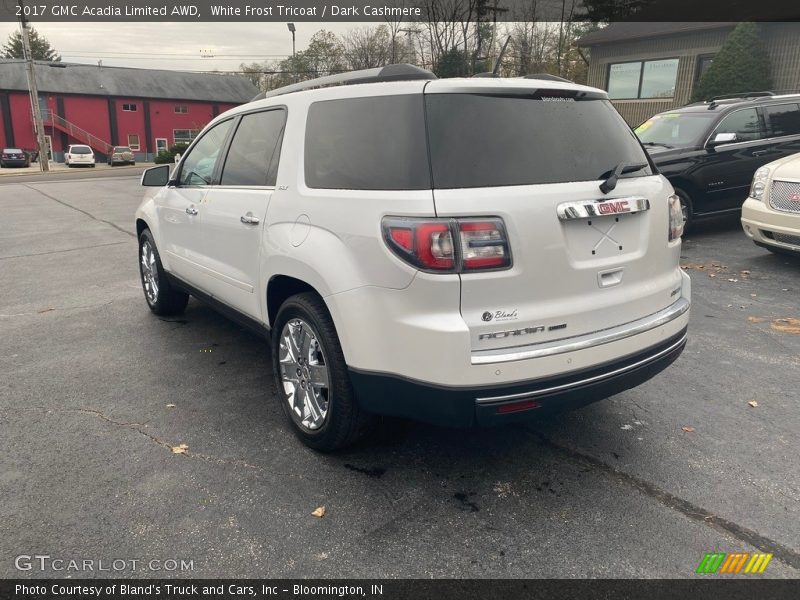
(759, 183)
(676, 221)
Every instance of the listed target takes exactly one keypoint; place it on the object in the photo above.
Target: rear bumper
(457, 406)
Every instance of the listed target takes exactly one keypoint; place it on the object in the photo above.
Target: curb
(11, 172)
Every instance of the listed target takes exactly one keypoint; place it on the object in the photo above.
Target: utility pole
(38, 128)
(293, 29)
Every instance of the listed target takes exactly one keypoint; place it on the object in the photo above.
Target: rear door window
(375, 143)
(783, 119)
(255, 149)
(483, 140)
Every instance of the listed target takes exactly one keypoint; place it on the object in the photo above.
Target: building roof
(73, 78)
(626, 30)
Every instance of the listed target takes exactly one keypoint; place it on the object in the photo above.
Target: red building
(148, 110)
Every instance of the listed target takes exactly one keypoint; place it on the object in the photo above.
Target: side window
(744, 123)
(197, 168)
(783, 119)
(375, 143)
(255, 149)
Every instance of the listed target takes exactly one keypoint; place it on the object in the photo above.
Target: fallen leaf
(181, 449)
(170, 406)
(745, 273)
(756, 319)
(688, 429)
(788, 325)
(732, 280)
(753, 403)
(753, 295)
(319, 512)
(712, 274)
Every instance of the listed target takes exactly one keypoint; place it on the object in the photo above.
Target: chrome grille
(785, 196)
(786, 239)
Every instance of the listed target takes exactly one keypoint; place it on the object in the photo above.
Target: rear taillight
(449, 245)
(676, 218)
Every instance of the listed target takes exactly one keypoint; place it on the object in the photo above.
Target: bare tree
(368, 47)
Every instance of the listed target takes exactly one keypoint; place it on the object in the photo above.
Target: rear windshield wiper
(622, 168)
(662, 144)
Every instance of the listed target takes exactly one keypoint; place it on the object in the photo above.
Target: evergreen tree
(40, 47)
(742, 65)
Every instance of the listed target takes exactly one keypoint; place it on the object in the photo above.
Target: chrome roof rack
(742, 95)
(398, 72)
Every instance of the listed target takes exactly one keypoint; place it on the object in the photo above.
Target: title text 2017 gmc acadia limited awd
(459, 251)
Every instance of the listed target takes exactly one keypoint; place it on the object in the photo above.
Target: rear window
(375, 143)
(122, 149)
(484, 140)
(80, 150)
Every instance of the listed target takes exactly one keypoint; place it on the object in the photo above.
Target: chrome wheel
(304, 374)
(149, 270)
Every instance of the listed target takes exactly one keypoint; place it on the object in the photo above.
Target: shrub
(168, 156)
(742, 65)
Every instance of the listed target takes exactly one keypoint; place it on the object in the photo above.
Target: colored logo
(737, 563)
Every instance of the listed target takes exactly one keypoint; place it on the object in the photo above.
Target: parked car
(771, 213)
(710, 150)
(407, 262)
(78, 155)
(121, 155)
(14, 157)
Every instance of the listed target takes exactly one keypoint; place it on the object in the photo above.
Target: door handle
(249, 219)
(191, 210)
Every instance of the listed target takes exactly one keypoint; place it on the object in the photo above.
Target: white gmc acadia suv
(458, 251)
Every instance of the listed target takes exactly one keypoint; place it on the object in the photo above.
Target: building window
(129, 107)
(133, 141)
(703, 62)
(184, 136)
(181, 109)
(642, 79)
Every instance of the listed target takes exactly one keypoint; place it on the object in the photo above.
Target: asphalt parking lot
(95, 391)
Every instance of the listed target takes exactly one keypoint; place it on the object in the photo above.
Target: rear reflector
(449, 245)
(517, 406)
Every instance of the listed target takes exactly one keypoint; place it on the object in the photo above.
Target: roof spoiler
(547, 77)
(398, 72)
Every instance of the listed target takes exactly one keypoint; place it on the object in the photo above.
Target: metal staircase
(51, 119)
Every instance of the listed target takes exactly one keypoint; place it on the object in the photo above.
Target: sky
(177, 46)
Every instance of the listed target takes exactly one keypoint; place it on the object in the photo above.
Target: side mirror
(156, 176)
(722, 138)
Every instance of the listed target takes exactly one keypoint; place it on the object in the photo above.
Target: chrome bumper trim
(582, 342)
(573, 384)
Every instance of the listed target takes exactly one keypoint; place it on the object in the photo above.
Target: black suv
(710, 150)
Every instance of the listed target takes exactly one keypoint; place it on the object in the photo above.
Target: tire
(688, 209)
(161, 297)
(339, 420)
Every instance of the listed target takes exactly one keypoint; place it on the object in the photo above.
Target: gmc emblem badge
(586, 209)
